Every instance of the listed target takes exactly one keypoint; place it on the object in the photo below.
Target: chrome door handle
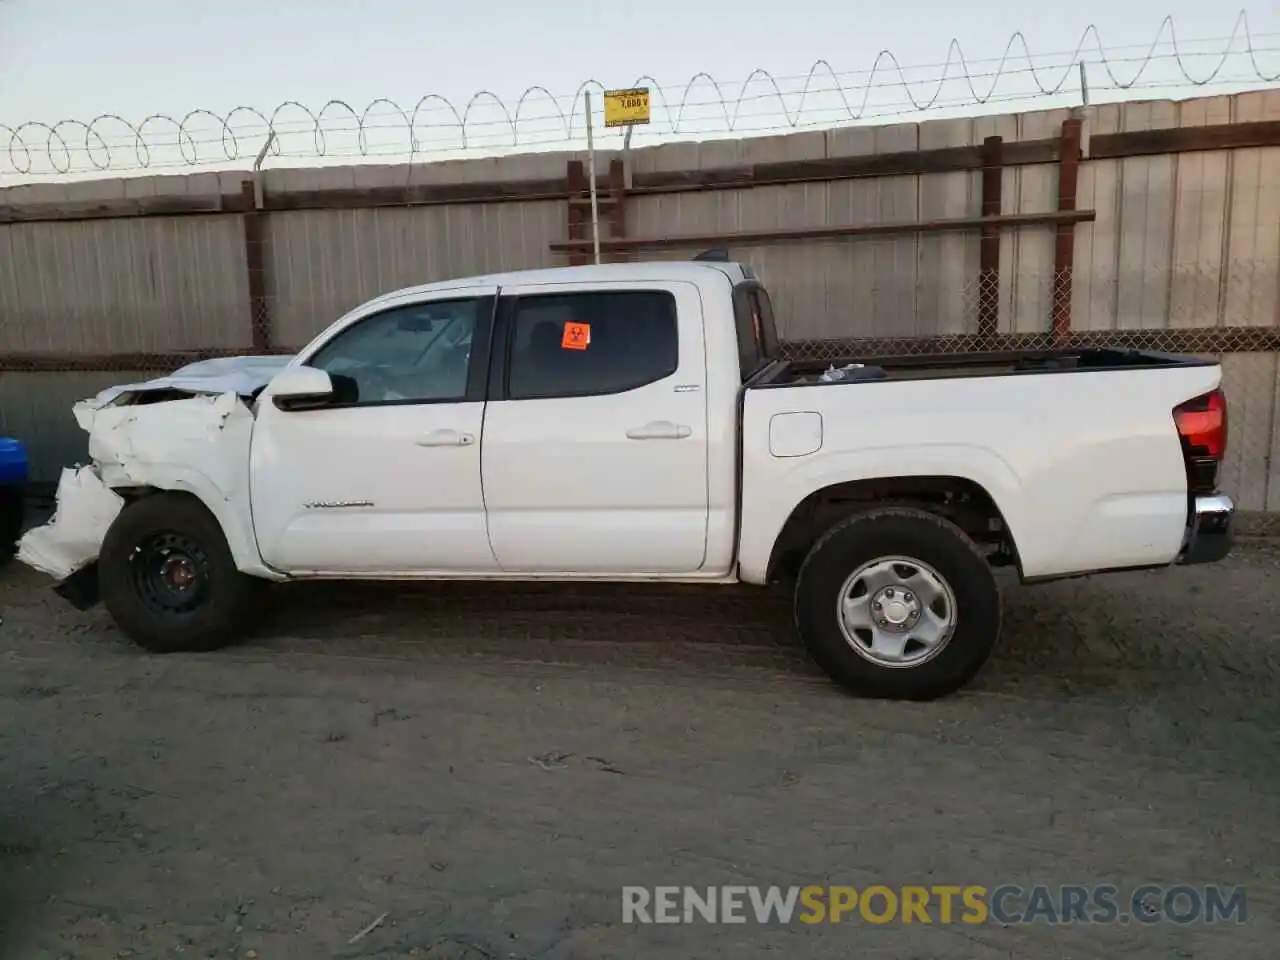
(660, 430)
(446, 438)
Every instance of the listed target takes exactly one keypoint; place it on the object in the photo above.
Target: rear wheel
(898, 602)
(169, 580)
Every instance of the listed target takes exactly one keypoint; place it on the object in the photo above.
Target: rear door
(594, 454)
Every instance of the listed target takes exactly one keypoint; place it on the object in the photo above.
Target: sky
(76, 59)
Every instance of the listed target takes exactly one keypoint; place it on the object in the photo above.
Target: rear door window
(585, 344)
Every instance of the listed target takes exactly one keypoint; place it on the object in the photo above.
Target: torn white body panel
(72, 539)
(198, 445)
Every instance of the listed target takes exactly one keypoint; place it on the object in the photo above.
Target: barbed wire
(159, 141)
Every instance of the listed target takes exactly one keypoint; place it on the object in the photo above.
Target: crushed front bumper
(1209, 531)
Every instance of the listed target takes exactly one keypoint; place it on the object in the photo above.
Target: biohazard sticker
(577, 336)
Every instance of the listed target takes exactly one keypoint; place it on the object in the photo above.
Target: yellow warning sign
(626, 108)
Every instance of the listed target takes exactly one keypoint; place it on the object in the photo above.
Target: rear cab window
(756, 330)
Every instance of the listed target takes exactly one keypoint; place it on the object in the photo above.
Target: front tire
(898, 603)
(169, 580)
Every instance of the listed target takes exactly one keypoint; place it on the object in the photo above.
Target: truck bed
(1102, 450)
(948, 366)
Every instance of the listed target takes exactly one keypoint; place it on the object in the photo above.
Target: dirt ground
(484, 768)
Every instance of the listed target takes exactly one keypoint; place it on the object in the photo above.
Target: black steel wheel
(169, 580)
(171, 573)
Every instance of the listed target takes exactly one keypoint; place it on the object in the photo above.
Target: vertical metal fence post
(255, 260)
(576, 179)
(989, 249)
(1064, 250)
(591, 179)
(618, 205)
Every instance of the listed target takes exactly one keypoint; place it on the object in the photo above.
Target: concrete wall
(123, 286)
(36, 408)
(322, 263)
(1188, 240)
(1184, 240)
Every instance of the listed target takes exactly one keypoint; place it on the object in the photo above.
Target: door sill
(487, 575)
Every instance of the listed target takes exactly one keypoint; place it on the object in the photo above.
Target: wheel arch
(229, 512)
(963, 501)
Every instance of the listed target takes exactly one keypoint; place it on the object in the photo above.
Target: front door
(386, 479)
(595, 444)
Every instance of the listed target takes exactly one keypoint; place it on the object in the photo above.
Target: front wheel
(169, 580)
(898, 602)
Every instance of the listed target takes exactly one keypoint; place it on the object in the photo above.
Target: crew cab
(639, 422)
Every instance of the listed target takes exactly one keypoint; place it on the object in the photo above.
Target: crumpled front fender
(198, 445)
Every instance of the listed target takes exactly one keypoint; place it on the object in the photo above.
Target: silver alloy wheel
(897, 612)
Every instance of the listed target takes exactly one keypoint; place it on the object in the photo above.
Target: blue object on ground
(13, 482)
(13, 463)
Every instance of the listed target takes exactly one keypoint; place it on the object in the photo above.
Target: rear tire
(169, 580)
(898, 603)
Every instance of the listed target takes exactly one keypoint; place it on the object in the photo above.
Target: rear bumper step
(1209, 533)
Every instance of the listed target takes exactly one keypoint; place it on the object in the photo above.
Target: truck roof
(645, 270)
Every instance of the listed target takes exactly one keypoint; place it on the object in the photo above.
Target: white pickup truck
(638, 422)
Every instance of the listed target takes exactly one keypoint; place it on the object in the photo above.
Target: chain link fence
(1204, 309)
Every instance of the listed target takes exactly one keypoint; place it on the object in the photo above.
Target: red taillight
(1202, 425)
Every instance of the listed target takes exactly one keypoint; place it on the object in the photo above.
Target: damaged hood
(239, 375)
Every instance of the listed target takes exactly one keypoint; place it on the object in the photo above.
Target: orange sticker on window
(577, 336)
